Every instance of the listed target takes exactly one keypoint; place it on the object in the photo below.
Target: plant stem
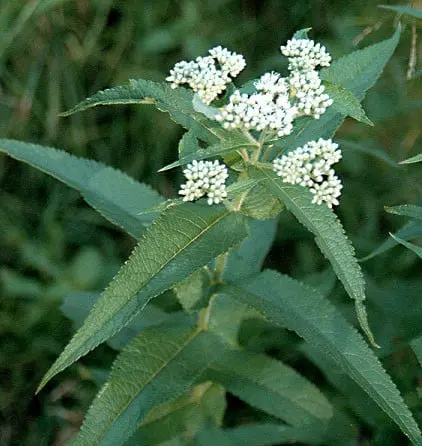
(219, 268)
(251, 138)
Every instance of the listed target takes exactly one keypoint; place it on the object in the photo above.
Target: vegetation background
(54, 53)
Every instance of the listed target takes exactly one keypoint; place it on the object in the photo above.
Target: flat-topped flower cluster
(271, 111)
(310, 166)
(208, 76)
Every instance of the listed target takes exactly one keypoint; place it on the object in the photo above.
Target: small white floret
(205, 178)
(310, 166)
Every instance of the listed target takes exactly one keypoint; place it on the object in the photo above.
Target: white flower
(205, 178)
(329, 191)
(308, 92)
(305, 55)
(204, 76)
(310, 166)
(258, 111)
(230, 62)
(272, 83)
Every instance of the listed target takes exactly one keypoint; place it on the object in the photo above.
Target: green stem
(251, 138)
(219, 268)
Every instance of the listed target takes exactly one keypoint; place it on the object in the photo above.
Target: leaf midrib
(272, 391)
(263, 170)
(347, 365)
(62, 366)
(188, 340)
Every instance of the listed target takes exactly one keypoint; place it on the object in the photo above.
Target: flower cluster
(278, 100)
(305, 55)
(208, 76)
(259, 111)
(310, 166)
(270, 109)
(309, 93)
(205, 178)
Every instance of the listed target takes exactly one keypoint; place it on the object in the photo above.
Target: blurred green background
(54, 53)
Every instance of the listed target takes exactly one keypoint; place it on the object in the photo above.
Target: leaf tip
(66, 113)
(363, 321)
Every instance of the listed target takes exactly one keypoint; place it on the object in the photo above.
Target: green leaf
(329, 236)
(226, 316)
(211, 437)
(112, 193)
(411, 229)
(416, 345)
(415, 248)
(346, 103)
(413, 12)
(180, 241)
(407, 210)
(297, 307)
(302, 33)
(188, 145)
(191, 291)
(261, 205)
(77, 305)
(357, 398)
(247, 259)
(208, 110)
(237, 191)
(177, 102)
(357, 71)
(413, 159)
(267, 434)
(271, 386)
(158, 366)
(204, 405)
(223, 148)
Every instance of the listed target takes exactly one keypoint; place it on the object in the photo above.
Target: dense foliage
(214, 355)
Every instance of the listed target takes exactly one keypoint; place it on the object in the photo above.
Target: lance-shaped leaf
(346, 103)
(407, 210)
(158, 366)
(203, 406)
(416, 345)
(329, 236)
(357, 71)
(177, 102)
(272, 386)
(267, 434)
(357, 398)
(415, 248)
(223, 148)
(297, 307)
(111, 192)
(408, 231)
(413, 159)
(180, 241)
(77, 305)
